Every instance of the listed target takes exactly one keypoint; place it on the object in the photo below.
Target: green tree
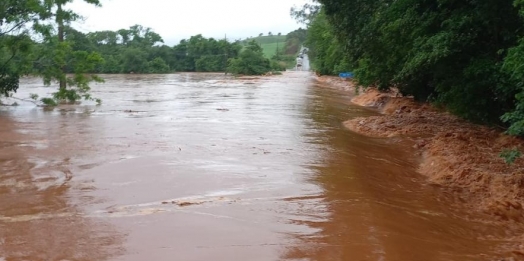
(139, 36)
(111, 64)
(184, 63)
(59, 54)
(514, 66)
(325, 52)
(134, 60)
(16, 18)
(210, 63)
(158, 65)
(306, 13)
(250, 62)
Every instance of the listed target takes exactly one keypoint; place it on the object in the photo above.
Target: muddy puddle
(205, 167)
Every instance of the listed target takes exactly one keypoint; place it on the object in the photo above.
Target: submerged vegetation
(467, 57)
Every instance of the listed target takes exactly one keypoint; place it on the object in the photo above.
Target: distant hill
(287, 45)
(269, 43)
(267, 39)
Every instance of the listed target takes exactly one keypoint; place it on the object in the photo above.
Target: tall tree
(58, 53)
(63, 17)
(17, 18)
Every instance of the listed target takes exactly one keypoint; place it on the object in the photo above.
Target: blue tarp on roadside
(346, 75)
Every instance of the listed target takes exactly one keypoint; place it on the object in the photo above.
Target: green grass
(270, 49)
(269, 43)
(269, 39)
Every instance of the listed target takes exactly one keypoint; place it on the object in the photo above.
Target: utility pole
(226, 53)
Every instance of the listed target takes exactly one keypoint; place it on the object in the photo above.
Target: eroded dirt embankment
(454, 153)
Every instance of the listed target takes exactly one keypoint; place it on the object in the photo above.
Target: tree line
(465, 56)
(141, 50)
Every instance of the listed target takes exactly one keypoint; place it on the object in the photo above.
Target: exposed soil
(454, 153)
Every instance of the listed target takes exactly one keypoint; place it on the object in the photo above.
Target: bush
(158, 65)
(251, 61)
(210, 63)
(48, 101)
(278, 65)
(510, 156)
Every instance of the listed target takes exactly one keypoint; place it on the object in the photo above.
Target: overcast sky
(179, 19)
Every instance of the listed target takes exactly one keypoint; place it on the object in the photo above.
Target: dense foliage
(250, 62)
(140, 50)
(15, 43)
(23, 21)
(466, 56)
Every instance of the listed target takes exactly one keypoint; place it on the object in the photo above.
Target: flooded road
(204, 167)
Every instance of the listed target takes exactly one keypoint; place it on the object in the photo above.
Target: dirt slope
(461, 156)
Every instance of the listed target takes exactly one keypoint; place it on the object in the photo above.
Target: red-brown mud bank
(455, 154)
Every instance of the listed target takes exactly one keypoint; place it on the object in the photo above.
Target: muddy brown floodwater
(205, 167)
